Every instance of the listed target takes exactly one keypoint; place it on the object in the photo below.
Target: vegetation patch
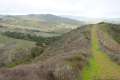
(30, 37)
(76, 61)
(112, 29)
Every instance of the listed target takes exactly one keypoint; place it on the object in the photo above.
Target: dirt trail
(100, 67)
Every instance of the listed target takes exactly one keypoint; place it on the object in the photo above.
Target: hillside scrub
(100, 66)
(62, 60)
(37, 50)
(112, 29)
(30, 37)
(14, 51)
(108, 43)
(20, 55)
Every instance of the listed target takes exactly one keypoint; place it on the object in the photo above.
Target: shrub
(36, 51)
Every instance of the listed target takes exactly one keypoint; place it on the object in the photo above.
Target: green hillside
(100, 66)
(14, 51)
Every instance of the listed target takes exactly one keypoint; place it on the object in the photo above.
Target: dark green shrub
(26, 36)
(36, 51)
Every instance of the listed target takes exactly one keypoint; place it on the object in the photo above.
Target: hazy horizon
(85, 8)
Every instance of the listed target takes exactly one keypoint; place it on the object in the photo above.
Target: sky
(85, 8)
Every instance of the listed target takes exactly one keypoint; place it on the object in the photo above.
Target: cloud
(89, 8)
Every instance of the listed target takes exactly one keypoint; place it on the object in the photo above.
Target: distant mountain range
(45, 22)
(53, 19)
(46, 18)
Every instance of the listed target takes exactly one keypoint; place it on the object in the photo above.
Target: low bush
(36, 51)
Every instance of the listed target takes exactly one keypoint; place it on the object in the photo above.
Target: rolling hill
(90, 52)
(14, 51)
(42, 22)
(60, 60)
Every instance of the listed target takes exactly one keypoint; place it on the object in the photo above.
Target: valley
(49, 47)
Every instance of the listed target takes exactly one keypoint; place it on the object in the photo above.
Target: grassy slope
(112, 29)
(100, 66)
(21, 43)
(61, 61)
(10, 47)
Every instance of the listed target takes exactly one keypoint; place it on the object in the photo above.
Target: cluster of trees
(40, 40)
(36, 51)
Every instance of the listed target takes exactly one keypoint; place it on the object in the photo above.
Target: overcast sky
(86, 8)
